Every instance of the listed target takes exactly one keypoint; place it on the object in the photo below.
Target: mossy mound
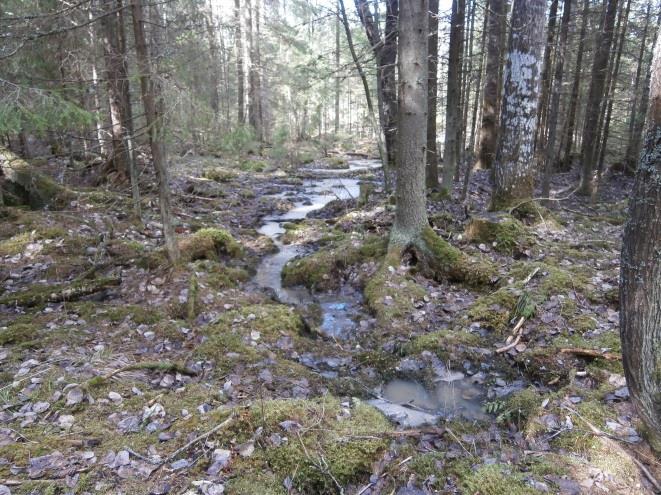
(444, 343)
(495, 310)
(495, 479)
(24, 185)
(218, 174)
(210, 243)
(329, 444)
(441, 260)
(323, 270)
(24, 334)
(390, 294)
(499, 229)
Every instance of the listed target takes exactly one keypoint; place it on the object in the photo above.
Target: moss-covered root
(439, 259)
(58, 293)
(210, 243)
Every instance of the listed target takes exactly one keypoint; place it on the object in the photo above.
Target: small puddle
(338, 310)
(410, 404)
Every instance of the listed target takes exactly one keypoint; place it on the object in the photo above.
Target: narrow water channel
(407, 402)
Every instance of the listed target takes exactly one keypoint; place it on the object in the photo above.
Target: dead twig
(199, 438)
(517, 333)
(593, 353)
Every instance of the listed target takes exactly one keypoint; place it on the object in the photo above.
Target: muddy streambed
(407, 402)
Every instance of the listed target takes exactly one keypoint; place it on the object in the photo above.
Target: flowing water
(338, 310)
(405, 401)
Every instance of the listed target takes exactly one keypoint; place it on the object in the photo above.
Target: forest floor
(192, 379)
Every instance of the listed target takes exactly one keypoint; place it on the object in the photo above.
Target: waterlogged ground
(281, 357)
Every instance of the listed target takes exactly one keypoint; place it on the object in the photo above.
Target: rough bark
(411, 213)
(492, 84)
(453, 109)
(640, 274)
(150, 96)
(216, 63)
(595, 98)
(514, 168)
(240, 69)
(337, 76)
(549, 152)
(432, 152)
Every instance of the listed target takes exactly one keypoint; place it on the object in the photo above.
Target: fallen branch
(152, 365)
(199, 438)
(59, 293)
(593, 353)
(517, 333)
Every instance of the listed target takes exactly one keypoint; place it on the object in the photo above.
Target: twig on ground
(517, 333)
(199, 438)
(593, 353)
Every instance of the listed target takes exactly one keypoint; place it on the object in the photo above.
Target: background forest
(320, 246)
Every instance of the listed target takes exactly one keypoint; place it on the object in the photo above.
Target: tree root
(592, 353)
(438, 259)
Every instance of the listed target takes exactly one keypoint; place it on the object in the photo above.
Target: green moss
(494, 310)
(442, 341)
(217, 174)
(253, 165)
(41, 294)
(323, 269)
(520, 407)
(329, 448)
(503, 231)
(25, 334)
(210, 243)
(220, 276)
(389, 294)
(16, 244)
(442, 260)
(337, 163)
(496, 479)
(139, 315)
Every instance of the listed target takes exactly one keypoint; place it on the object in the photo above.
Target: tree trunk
(492, 84)
(411, 213)
(216, 65)
(240, 71)
(432, 152)
(640, 274)
(453, 113)
(595, 98)
(254, 87)
(384, 47)
(567, 141)
(638, 119)
(549, 153)
(514, 169)
(541, 130)
(115, 76)
(337, 76)
(467, 76)
(150, 95)
(611, 92)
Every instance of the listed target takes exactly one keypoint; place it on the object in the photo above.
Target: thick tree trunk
(150, 96)
(568, 136)
(432, 152)
(240, 70)
(514, 170)
(492, 84)
(549, 152)
(216, 64)
(640, 282)
(411, 214)
(595, 99)
(453, 113)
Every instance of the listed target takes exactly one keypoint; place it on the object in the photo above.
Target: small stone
(65, 421)
(39, 407)
(75, 396)
(246, 449)
(114, 396)
(180, 464)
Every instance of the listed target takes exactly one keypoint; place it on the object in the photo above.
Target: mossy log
(23, 185)
(58, 293)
